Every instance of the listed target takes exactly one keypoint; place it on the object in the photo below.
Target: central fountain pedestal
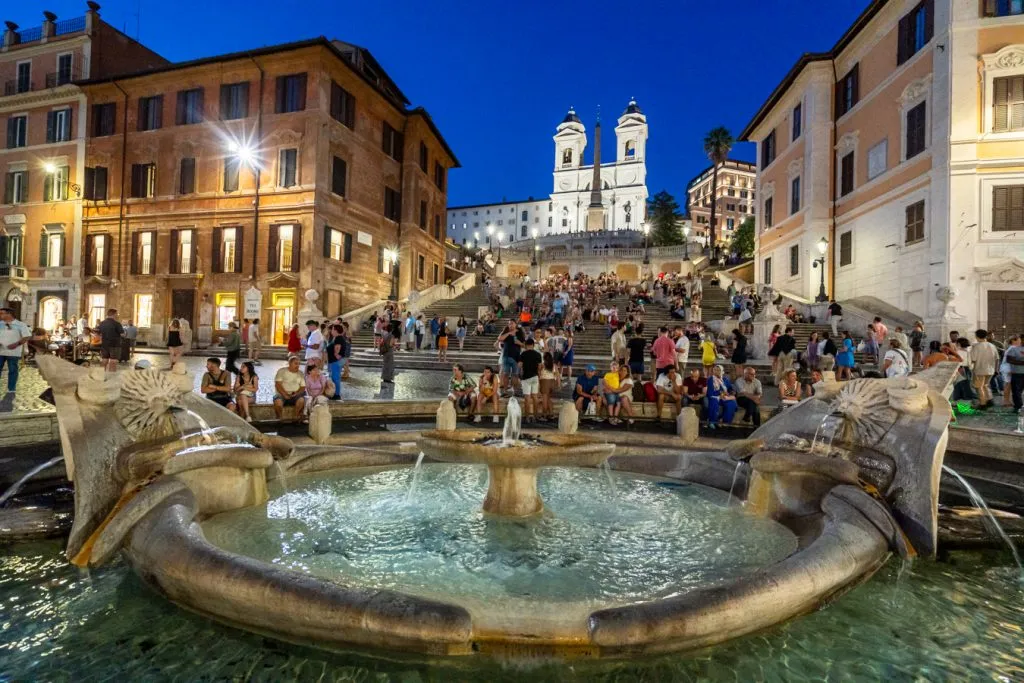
(512, 466)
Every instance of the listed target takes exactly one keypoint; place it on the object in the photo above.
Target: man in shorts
(529, 371)
(111, 332)
(216, 384)
(587, 390)
(511, 341)
(670, 387)
(290, 389)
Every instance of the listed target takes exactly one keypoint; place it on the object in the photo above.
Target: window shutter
(51, 126)
(67, 124)
(134, 268)
(11, 133)
(1000, 208)
(279, 95)
(187, 180)
(1000, 102)
(239, 248)
(1016, 103)
(136, 180)
(90, 182)
(296, 247)
(100, 183)
(140, 123)
(90, 254)
(302, 91)
(108, 251)
(380, 259)
(179, 112)
(855, 75)
(327, 241)
(9, 188)
(175, 245)
(158, 115)
(48, 187)
(225, 99)
(350, 110)
(215, 254)
(199, 115)
(275, 250)
(929, 20)
(346, 248)
(24, 186)
(193, 268)
(43, 249)
(338, 173)
(903, 39)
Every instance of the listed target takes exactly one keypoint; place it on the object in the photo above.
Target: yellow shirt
(710, 353)
(611, 381)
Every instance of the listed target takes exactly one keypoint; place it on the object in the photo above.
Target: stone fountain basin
(550, 450)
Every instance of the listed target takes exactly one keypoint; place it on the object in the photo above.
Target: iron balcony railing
(18, 85)
(62, 77)
(69, 26)
(9, 271)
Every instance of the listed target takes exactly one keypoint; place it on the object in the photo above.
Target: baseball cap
(591, 368)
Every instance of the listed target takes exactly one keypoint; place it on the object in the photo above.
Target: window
(337, 245)
(769, 219)
(1007, 104)
(104, 118)
(848, 91)
(437, 227)
(143, 180)
(439, 175)
(285, 248)
(58, 125)
(64, 62)
(232, 168)
(95, 183)
(768, 270)
(731, 192)
(768, 150)
(383, 264)
(187, 176)
(730, 207)
(797, 120)
(794, 195)
(525, 216)
(743, 194)
(17, 131)
(630, 151)
(423, 215)
(343, 106)
(1003, 8)
(234, 101)
(190, 107)
(143, 310)
(423, 157)
(420, 266)
(915, 222)
(16, 187)
(916, 130)
(288, 167)
(437, 275)
(290, 94)
(392, 204)
(227, 309)
(846, 248)
(227, 250)
(150, 113)
(97, 308)
(339, 169)
(730, 223)
(393, 142)
(55, 185)
(878, 159)
(143, 247)
(549, 221)
(51, 249)
(24, 77)
(567, 157)
(183, 244)
(916, 28)
(794, 260)
(1008, 208)
(97, 255)
(846, 175)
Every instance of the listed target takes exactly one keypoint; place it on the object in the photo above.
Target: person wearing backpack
(896, 363)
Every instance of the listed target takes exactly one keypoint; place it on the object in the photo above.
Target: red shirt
(693, 387)
(664, 352)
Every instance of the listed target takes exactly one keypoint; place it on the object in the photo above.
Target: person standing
(111, 333)
(255, 342)
(442, 339)
(664, 352)
(835, 316)
(409, 332)
(739, 352)
(232, 344)
(636, 345)
(917, 342)
(881, 334)
(335, 357)
(294, 344)
(984, 361)
(13, 336)
(245, 335)
(748, 396)
(461, 327)
(174, 342)
(131, 335)
(529, 371)
(314, 343)
(387, 352)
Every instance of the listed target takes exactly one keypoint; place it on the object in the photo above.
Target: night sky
(499, 76)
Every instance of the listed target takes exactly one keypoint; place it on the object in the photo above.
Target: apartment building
(903, 148)
(481, 225)
(42, 158)
(735, 201)
(227, 187)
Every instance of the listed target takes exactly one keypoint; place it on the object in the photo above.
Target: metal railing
(56, 78)
(28, 35)
(69, 26)
(17, 85)
(12, 271)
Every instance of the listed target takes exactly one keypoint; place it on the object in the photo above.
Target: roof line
(420, 111)
(844, 41)
(476, 206)
(694, 179)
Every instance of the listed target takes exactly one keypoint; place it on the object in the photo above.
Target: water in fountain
(821, 430)
(415, 477)
(735, 476)
(513, 422)
(980, 503)
(607, 469)
(204, 428)
(17, 486)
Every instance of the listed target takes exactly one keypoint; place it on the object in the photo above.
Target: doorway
(183, 304)
(281, 316)
(52, 308)
(1005, 313)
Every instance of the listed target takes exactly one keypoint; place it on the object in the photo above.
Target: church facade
(584, 198)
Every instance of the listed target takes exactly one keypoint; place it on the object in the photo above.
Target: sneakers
(476, 418)
(494, 419)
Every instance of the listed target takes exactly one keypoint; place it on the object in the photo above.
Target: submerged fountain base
(512, 468)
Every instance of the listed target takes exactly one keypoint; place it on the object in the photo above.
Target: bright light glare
(50, 167)
(822, 245)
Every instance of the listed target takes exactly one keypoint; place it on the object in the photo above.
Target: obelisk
(595, 211)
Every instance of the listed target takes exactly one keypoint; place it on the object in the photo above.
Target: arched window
(566, 157)
(630, 149)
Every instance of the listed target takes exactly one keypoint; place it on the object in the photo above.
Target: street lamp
(536, 247)
(647, 252)
(501, 236)
(822, 248)
(536, 259)
(246, 156)
(51, 169)
(391, 255)
(490, 235)
(686, 240)
(476, 239)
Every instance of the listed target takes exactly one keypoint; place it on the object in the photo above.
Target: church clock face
(564, 184)
(628, 177)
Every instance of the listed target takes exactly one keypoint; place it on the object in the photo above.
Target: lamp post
(536, 247)
(246, 156)
(490, 236)
(686, 240)
(476, 239)
(536, 259)
(501, 236)
(822, 248)
(69, 187)
(647, 251)
(391, 255)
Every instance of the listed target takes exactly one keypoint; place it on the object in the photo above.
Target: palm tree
(717, 144)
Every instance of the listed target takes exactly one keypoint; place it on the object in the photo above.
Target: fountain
(512, 461)
(356, 562)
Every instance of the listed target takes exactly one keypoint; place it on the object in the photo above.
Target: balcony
(12, 272)
(1003, 8)
(18, 85)
(63, 77)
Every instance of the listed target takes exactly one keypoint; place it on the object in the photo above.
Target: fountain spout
(513, 423)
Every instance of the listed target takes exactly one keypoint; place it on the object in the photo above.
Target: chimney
(10, 35)
(92, 17)
(49, 25)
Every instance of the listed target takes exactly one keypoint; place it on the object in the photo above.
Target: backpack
(650, 392)
(638, 394)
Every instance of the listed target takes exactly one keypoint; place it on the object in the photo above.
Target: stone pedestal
(568, 418)
(205, 336)
(446, 417)
(512, 491)
(788, 485)
(320, 424)
(687, 425)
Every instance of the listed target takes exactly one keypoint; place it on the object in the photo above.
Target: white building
(623, 189)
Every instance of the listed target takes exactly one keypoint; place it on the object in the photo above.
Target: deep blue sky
(499, 76)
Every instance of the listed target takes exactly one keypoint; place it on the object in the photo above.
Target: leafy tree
(717, 144)
(663, 215)
(743, 238)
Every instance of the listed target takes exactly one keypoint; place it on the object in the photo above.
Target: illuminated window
(229, 244)
(227, 308)
(284, 247)
(143, 310)
(185, 251)
(99, 254)
(97, 308)
(55, 250)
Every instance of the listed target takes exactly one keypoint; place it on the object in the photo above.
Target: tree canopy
(743, 238)
(663, 215)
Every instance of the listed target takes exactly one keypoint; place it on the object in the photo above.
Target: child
(611, 393)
